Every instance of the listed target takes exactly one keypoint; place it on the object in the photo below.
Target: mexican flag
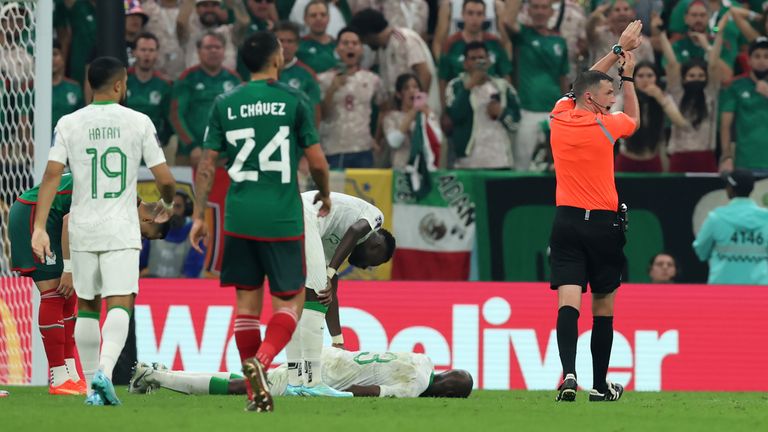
(435, 233)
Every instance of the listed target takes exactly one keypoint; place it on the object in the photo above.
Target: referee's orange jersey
(582, 146)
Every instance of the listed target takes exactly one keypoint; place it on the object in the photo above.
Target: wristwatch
(616, 49)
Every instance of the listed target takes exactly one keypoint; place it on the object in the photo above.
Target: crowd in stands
(480, 77)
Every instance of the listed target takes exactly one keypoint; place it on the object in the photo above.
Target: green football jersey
(152, 98)
(262, 126)
(452, 59)
(542, 60)
(301, 77)
(192, 97)
(63, 200)
(319, 57)
(67, 97)
(749, 108)
(82, 20)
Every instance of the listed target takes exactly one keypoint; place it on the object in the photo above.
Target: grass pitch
(31, 409)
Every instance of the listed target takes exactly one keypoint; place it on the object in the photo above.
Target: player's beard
(357, 257)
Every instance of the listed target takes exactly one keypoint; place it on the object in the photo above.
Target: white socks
(115, 332)
(58, 375)
(293, 358)
(311, 329)
(72, 369)
(88, 339)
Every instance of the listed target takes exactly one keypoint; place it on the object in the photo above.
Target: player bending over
(53, 278)
(364, 374)
(351, 230)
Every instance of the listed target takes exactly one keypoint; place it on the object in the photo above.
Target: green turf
(31, 409)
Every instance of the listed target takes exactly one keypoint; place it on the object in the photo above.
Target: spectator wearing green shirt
(149, 92)
(193, 95)
(542, 69)
(67, 96)
(317, 48)
(82, 21)
(699, 24)
(295, 73)
(745, 105)
(452, 59)
(750, 23)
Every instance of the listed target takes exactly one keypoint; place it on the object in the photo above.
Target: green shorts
(21, 219)
(246, 262)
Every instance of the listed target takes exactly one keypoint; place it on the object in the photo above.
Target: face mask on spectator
(694, 86)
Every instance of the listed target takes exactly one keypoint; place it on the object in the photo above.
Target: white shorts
(317, 277)
(105, 274)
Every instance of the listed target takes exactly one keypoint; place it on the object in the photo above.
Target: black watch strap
(626, 78)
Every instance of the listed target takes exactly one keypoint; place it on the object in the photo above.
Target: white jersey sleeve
(58, 152)
(150, 148)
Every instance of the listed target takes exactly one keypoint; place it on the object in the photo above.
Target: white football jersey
(403, 375)
(103, 144)
(346, 210)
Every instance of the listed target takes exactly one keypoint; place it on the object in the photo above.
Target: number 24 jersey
(263, 127)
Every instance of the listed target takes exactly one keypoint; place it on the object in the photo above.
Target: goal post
(26, 40)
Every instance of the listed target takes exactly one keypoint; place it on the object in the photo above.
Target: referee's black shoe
(567, 390)
(613, 393)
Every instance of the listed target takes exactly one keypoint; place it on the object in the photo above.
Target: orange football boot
(67, 389)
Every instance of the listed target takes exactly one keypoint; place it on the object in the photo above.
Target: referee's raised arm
(587, 240)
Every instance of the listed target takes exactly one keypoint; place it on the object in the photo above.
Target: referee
(587, 238)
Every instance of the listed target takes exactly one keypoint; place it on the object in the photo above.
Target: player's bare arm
(348, 243)
(206, 171)
(166, 184)
(41, 244)
(332, 316)
(242, 20)
(66, 287)
(318, 168)
(365, 390)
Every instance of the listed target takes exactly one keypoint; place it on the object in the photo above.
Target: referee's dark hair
(103, 71)
(258, 49)
(587, 81)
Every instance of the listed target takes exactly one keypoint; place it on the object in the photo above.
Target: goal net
(18, 50)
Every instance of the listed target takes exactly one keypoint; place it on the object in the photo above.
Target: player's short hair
(475, 45)
(258, 49)
(466, 2)
(369, 21)
(288, 26)
(148, 35)
(588, 80)
(103, 71)
(315, 2)
(390, 242)
(218, 36)
(347, 30)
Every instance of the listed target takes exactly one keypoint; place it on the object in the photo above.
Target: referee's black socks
(567, 336)
(601, 343)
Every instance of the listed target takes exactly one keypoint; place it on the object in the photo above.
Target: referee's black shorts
(586, 248)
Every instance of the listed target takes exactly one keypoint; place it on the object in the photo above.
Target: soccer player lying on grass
(364, 374)
(53, 278)
(351, 230)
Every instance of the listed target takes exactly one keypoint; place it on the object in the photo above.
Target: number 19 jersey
(262, 126)
(104, 144)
